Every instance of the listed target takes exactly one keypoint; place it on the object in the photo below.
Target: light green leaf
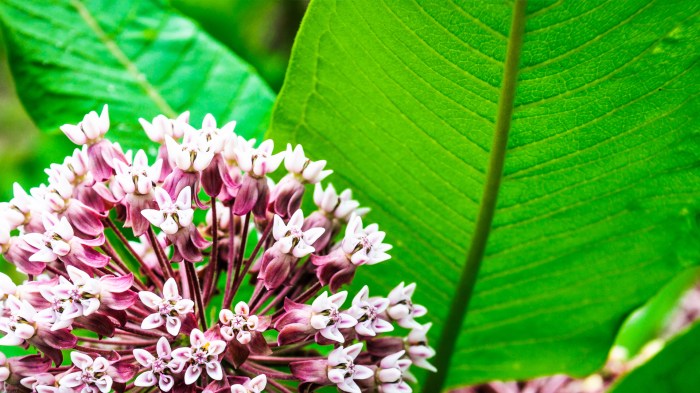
(673, 370)
(598, 203)
(649, 321)
(142, 58)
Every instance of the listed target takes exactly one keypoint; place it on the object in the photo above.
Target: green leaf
(142, 58)
(673, 370)
(648, 322)
(598, 202)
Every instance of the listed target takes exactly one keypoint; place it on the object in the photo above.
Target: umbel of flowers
(138, 295)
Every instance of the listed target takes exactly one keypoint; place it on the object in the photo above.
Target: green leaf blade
(673, 369)
(596, 208)
(140, 57)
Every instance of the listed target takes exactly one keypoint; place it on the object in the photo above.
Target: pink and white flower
(175, 220)
(339, 206)
(418, 349)
(255, 385)
(59, 242)
(157, 368)
(360, 246)
(254, 192)
(322, 318)
(338, 369)
(161, 127)
(89, 131)
(291, 244)
(304, 169)
(241, 325)
(84, 295)
(390, 374)
(401, 308)
(368, 313)
(201, 354)
(135, 184)
(290, 237)
(92, 376)
(169, 309)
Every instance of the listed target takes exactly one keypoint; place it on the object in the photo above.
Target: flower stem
(194, 280)
(250, 260)
(160, 254)
(214, 258)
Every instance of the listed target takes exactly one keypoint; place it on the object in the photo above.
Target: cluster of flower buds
(196, 272)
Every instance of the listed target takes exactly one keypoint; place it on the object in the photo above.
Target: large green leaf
(673, 370)
(139, 56)
(599, 196)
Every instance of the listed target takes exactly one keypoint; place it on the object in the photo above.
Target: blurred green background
(260, 31)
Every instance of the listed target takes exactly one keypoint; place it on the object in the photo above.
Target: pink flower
(418, 349)
(292, 239)
(390, 374)
(323, 317)
(192, 155)
(286, 196)
(368, 313)
(175, 220)
(60, 242)
(17, 368)
(42, 383)
(89, 131)
(158, 368)
(255, 385)
(135, 183)
(260, 161)
(401, 308)
(92, 376)
(360, 246)
(161, 127)
(339, 369)
(169, 309)
(157, 132)
(20, 325)
(241, 325)
(202, 353)
(343, 371)
(254, 193)
(292, 243)
(83, 295)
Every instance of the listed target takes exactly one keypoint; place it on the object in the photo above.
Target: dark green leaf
(142, 58)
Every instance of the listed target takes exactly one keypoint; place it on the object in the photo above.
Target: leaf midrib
(494, 174)
(130, 67)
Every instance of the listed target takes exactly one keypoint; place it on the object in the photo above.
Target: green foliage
(649, 321)
(71, 56)
(259, 31)
(598, 203)
(673, 370)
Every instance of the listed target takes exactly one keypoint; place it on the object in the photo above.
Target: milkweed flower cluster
(193, 271)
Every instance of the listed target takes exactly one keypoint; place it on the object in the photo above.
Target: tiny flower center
(158, 366)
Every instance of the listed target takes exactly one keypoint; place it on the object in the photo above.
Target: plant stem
(160, 254)
(250, 260)
(194, 280)
(465, 288)
(213, 259)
